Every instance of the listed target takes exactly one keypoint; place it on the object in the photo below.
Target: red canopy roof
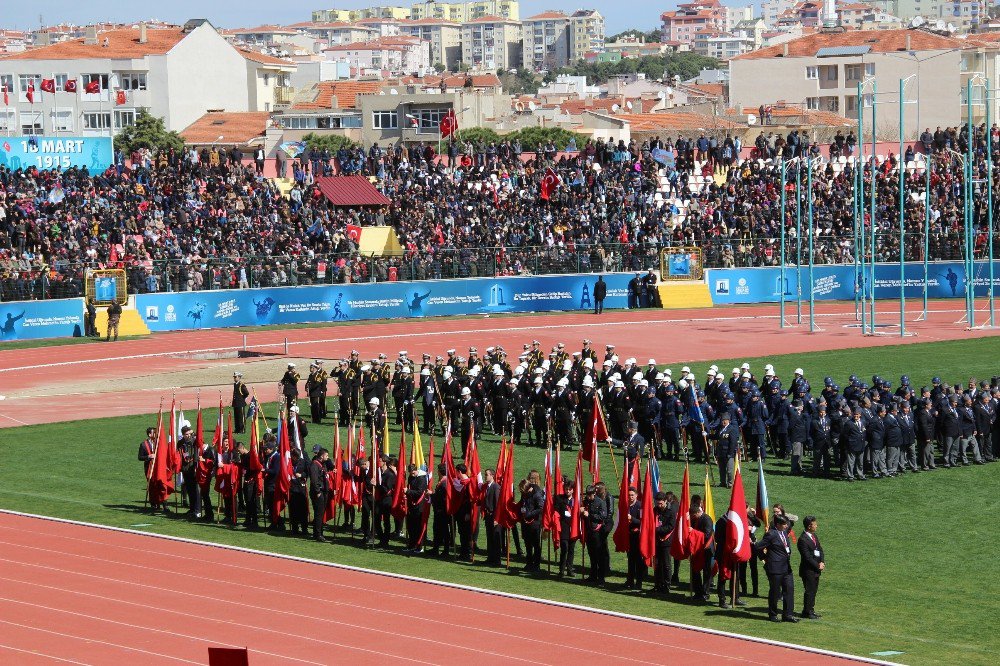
(351, 191)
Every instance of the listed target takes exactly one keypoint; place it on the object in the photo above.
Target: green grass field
(908, 558)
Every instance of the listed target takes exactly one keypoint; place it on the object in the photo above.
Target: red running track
(669, 336)
(83, 594)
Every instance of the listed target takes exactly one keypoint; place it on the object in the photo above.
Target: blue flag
(654, 470)
(695, 409)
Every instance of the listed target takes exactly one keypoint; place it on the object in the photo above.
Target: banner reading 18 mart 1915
(56, 152)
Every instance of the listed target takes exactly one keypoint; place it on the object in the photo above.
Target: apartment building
(444, 37)
(491, 43)
(586, 33)
(546, 40)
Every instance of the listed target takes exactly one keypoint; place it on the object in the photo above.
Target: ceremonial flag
(680, 546)
(254, 464)
(501, 460)
(448, 125)
(550, 520)
(452, 500)
(385, 437)
(622, 529)
(549, 183)
(6, 97)
(217, 435)
(92, 87)
(656, 477)
(30, 93)
(173, 422)
(762, 507)
(334, 476)
(361, 443)
(398, 508)
(354, 232)
(507, 513)
(48, 85)
(738, 536)
(576, 529)
(282, 486)
(709, 506)
(417, 451)
(475, 476)
(70, 86)
(348, 496)
(161, 477)
(230, 446)
(181, 422)
(647, 523)
(199, 432)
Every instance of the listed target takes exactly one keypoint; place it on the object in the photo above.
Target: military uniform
(240, 395)
(290, 386)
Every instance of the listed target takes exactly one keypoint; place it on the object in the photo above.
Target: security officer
(298, 510)
(595, 515)
(563, 415)
(402, 397)
(290, 385)
(666, 516)
(822, 441)
(240, 395)
(324, 379)
(726, 449)
(427, 396)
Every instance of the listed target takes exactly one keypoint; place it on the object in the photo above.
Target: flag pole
(149, 473)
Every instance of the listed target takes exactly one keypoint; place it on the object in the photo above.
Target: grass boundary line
(459, 586)
(291, 343)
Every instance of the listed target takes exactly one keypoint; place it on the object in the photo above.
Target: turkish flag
(629, 476)
(120, 98)
(448, 124)
(354, 232)
(48, 85)
(6, 97)
(575, 531)
(283, 485)
(92, 87)
(161, 476)
(738, 537)
(30, 93)
(549, 183)
(647, 522)
(70, 86)
(398, 508)
(680, 545)
(596, 431)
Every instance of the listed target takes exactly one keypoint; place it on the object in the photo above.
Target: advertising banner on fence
(56, 152)
(344, 302)
(24, 320)
(764, 285)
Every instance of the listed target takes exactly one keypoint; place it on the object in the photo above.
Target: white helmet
(619, 384)
(769, 367)
(683, 384)
(588, 382)
(366, 367)
(588, 363)
(518, 371)
(562, 382)
(294, 409)
(405, 370)
(539, 371)
(714, 367)
(466, 391)
(617, 376)
(373, 401)
(630, 361)
(614, 359)
(497, 371)
(567, 365)
(689, 376)
(745, 366)
(538, 381)
(512, 382)
(711, 373)
(474, 371)
(651, 361)
(448, 372)
(668, 372)
(736, 371)
(291, 365)
(644, 382)
(685, 369)
(660, 376)
(607, 364)
(546, 364)
(426, 372)
(799, 371)
(746, 375)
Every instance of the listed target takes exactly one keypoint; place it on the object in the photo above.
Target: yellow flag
(417, 450)
(709, 506)
(385, 436)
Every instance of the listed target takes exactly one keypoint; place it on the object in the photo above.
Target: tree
(478, 135)
(521, 82)
(530, 137)
(330, 142)
(148, 132)
(652, 36)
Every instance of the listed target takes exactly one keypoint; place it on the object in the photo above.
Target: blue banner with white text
(24, 320)
(839, 282)
(57, 152)
(384, 300)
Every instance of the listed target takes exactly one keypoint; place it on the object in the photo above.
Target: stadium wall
(27, 320)
(346, 302)
(837, 282)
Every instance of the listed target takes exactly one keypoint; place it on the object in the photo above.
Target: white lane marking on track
(41, 654)
(89, 639)
(395, 336)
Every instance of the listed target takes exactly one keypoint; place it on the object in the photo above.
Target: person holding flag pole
(733, 546)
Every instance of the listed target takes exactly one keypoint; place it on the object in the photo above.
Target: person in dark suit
(726, 449)
(666, 515)
(493, 532)
(319, 491)
(240, 395)
(775, 550)
(595, 516)
(563, 506)
(416, 500)
(854, 449)
(821, 434)
(636, 565)
(701, 578)
(600, 293)
(811, 566)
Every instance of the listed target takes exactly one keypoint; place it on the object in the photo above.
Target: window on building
(8, 120)
(853, 72)
(385, 120)
(851, 103)
(132, 80)
(869, 69)
(812, 103)
(124, 118)
(298, 122)
(26, 80)
(831, 73)
(97, 121)
(267, 79)
(101, 78)
(812, 72)
(830, 104)
(62, 120)
(31, 123)
(61, 82)
(429, 120)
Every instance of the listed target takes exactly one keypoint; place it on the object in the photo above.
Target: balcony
(283, 95)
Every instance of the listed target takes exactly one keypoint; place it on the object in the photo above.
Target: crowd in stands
(197, 219)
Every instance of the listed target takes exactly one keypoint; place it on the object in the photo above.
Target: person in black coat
(775, 550)
(726, 449)
(798, 433)
(876, 441)
(908, 430)
(893, 439)
(666, 515)
(636, 565)
(531, 526)
(491, 497)
(562, 504)
(951, 429)
(442, 521)
(811, 566)
(925, 426)
(319, 491)
(595, 517)
(383, 499)
(985, 414)
(600, 293)
(298, 509)
(821, 433)
(416, 499)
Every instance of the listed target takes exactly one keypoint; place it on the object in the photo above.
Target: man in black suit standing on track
(776, 552)
(811, 566)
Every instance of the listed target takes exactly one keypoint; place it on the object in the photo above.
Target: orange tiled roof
(264, 58)
(576, 107)
(713, 89)
(122, 43)
(490, 80)
(492, 19)
(880, 41)
(339, 94)
(232, 127)
(264, 30)
(549, 15)
(429, 21)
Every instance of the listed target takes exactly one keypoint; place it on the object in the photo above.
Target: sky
(618, 15)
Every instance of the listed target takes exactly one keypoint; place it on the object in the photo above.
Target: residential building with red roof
(177, 73)
(491, 43)
(444, 37)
